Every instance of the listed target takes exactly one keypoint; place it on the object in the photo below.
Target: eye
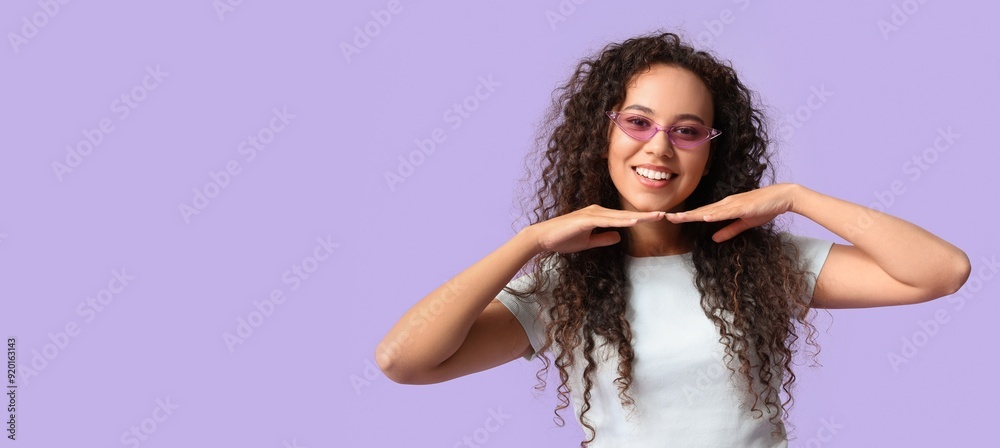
(688, 132)
(637, 122)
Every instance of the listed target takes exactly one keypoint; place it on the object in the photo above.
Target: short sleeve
(527, 311)
(812, 252)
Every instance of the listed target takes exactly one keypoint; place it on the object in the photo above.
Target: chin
(645, 207)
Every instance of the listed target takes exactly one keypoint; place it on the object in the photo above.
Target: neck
(659, 238)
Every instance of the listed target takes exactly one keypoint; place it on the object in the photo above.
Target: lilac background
(305, 377)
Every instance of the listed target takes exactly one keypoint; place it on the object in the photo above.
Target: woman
(656, 265)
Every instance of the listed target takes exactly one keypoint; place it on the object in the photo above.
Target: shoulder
(812, 254)
(527, 289)
(808, 248)
(527, 277)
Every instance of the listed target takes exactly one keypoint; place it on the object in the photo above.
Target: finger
(680, 217)
(604, 239)
(721, 214)
(652, 216)
(626, 216)
(606, 222)
(676, 217)
(604, 211)
(724, 213)
(698, 214)
(705, 213)
(730, 231)
(630, 214)
(698, 211)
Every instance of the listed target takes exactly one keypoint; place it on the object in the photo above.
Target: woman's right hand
(574, 231)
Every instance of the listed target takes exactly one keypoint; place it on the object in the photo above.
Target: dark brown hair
(754, 280)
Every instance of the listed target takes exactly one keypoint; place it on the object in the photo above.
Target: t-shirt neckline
(658, 259)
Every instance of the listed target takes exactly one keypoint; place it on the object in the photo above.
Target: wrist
(798, 198)
(529, 240)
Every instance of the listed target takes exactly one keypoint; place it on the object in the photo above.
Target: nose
(660, 144)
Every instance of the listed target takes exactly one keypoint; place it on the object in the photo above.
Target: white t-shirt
(682, 389)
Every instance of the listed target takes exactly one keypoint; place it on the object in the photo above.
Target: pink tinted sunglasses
(684, 136)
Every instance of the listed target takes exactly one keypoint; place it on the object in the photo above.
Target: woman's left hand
(750, 209)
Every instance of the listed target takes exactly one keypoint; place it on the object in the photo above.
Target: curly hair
(752, 286)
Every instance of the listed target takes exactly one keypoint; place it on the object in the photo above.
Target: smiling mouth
(653, 176)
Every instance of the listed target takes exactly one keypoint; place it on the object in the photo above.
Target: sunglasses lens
(687, 136)
(636, 126)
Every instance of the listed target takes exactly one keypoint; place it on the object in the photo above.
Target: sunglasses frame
(712, 132)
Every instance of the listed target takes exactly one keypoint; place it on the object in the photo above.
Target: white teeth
(654, 175)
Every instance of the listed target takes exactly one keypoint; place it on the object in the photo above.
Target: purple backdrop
(200, 246)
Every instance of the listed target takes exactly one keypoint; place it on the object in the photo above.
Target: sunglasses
(684, 136)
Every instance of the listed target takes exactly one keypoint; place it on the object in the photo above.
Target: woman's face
(667, 95)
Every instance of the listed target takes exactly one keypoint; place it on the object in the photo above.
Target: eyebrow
(677, 117)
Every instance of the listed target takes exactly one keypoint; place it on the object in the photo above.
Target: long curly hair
(752, 286)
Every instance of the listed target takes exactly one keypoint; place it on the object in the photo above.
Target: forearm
(903, 250)
(437, 325)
